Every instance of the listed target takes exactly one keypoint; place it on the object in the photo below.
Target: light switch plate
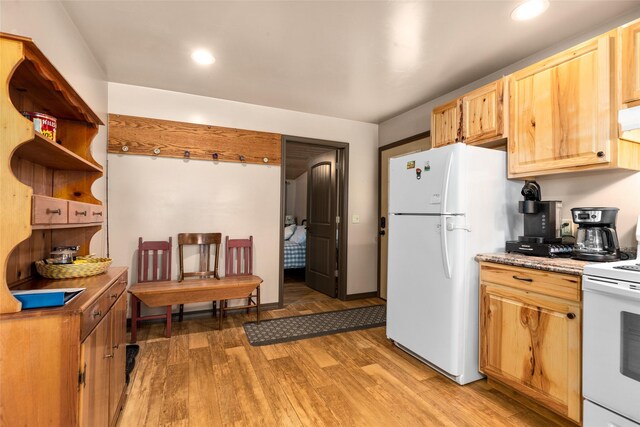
(355, 219)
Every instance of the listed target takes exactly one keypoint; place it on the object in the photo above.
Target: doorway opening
(419, 142)
(313, 249)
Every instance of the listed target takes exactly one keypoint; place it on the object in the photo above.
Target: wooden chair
(154, 265)
(204, 242)
(239, 262)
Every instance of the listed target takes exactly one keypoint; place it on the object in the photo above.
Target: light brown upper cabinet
(476, 118)
(630, 41)
(629, 56)
(445, 124)
(561, 114)
(482, 114)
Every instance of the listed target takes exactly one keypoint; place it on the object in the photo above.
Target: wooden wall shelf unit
(165, 138)
(36, 168)
(43, 151)
(63, 365)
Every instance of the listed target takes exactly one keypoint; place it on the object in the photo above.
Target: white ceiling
(361, 60)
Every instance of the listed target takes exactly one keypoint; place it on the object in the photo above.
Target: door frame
(343, 212)
(403, 141)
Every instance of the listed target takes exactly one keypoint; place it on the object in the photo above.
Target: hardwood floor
(297, 292)
(205, 377)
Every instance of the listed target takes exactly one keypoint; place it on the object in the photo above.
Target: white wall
(48, 24)
(301, 197)
(290, 205)
(614, 188)
(157, 198)
(620, 189)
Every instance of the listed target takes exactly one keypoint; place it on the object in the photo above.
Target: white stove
(611, 344)
(628, 271)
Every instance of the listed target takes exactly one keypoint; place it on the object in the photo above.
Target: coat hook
(187, 154)
(242, 159)
(215, 156)
(125, 148)
(156, 151)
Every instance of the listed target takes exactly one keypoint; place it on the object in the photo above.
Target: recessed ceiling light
(529, 9)
(202, 57)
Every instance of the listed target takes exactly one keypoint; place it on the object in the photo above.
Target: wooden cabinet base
(530, 403)
(49, 374)
(530, 339)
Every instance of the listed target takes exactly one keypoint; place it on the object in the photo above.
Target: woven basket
(84, 268)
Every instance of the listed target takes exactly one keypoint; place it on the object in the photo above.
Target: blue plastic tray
(46, 297)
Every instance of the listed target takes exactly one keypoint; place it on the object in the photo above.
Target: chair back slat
(156, 254)
(239, 252)
(204, 242)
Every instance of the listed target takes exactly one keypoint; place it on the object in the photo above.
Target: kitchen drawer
(48, 210)
(558, 285)
(96, 213)
(99, 309)
(79, 213)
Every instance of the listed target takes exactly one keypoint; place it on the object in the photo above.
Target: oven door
(611, 345)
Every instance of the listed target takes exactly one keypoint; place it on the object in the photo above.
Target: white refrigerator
(445, 206)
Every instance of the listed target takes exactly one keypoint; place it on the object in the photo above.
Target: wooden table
(160, 294)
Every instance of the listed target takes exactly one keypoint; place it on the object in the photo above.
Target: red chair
(154, 265)
(238, 261)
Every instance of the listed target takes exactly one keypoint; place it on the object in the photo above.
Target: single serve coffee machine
(542, 225)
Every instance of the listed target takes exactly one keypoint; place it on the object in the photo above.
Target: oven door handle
(611, 287)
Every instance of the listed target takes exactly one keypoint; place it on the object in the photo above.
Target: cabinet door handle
(108, 356)
(83, 213)
(524, 279)
(571, 315)
(117, 346)
(600, 153)
(114, 296)
(54, 211)
(97, 213)
(96, 313)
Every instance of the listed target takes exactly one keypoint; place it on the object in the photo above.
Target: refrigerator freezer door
(424, 306)
(428, 181)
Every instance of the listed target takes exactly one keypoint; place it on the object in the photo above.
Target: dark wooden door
(321, 225)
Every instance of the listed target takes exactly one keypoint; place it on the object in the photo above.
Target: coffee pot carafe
(597, 239)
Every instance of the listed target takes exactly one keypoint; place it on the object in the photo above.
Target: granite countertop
(557, 265)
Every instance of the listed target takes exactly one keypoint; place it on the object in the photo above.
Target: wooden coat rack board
(165, 138)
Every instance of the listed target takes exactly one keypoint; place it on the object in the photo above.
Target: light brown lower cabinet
(65, 366)
(102, 360)
(530, 340)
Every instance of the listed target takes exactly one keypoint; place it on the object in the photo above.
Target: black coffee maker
(542, 225)
(597, 239)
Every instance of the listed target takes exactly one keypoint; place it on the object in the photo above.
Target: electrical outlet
(355, 219)
(566, 228)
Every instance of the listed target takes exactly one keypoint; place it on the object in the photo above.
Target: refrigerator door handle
(444, 247)
(451, 227)
(445, 185)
